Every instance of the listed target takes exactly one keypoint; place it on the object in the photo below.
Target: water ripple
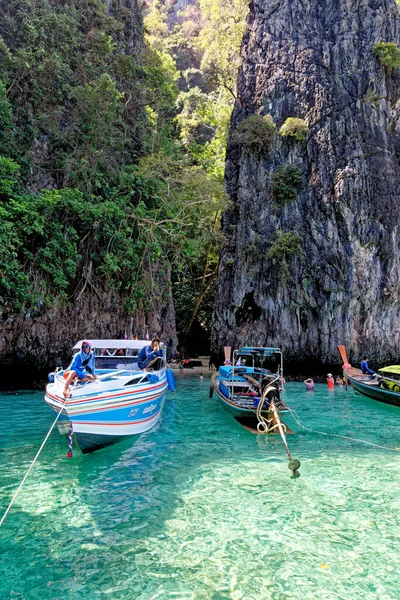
(201, 509)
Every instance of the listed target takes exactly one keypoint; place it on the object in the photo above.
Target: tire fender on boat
(211, 391)
(171, 380)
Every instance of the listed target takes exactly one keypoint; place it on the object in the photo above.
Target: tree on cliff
(96, 190)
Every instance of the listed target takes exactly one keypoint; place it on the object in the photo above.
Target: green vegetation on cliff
(204, 40)
(388, 54)
(105, 179)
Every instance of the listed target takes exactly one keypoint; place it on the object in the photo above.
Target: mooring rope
(267, 428)
(272, 405)
(344, 437)
(33, 462)
(294, 464)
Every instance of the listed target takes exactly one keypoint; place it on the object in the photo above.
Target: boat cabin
(270, 359)
(117, 354)
(390, 378)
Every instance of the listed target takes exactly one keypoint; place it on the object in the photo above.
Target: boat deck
(358, 375)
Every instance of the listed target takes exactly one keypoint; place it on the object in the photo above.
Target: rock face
(315, 61)
(33, 344)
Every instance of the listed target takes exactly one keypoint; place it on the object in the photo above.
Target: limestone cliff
(37, 343)
(315, 61)
(33, 343)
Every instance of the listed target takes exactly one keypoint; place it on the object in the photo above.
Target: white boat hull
(106, 411)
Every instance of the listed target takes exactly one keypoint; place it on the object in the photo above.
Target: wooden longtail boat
(240, 387)
(382, 387)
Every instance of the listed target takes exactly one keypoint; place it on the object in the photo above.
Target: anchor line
(344, 437)
(281, 430)
(264, 425)
(267, 424)
(33, 462)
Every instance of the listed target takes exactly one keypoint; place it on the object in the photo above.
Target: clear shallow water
(201, 509)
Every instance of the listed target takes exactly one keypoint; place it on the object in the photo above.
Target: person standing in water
(309, 383)
(330, 381)
(81, 368)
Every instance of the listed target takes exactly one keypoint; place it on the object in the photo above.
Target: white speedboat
(123, 400)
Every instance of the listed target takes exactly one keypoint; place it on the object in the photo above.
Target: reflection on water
(199, 508)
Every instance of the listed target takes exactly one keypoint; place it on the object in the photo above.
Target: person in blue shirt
(149, 354)
(365, 368)
(82, 368)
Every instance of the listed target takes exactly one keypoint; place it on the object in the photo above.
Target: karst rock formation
(34, 343)
(314, 60)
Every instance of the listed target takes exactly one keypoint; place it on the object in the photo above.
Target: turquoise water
(201, 509)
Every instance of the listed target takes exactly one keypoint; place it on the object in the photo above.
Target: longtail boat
(382, 387)
(247, 388)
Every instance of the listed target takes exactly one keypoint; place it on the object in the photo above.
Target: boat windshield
(116, 354)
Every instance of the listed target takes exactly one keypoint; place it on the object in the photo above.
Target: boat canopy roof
(250, 351)
(134, 344)
(392, 369)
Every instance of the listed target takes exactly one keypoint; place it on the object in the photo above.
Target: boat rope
(32, 463)
(265, 425)
(70, 437)
(344, 437)
(294, 463)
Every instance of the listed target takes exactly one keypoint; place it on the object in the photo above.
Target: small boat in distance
(247, 387)
(382, 387)
(123, 400)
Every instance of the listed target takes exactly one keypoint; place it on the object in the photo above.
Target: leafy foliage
(285, 184)
(256, 132)
(388, 54)
(296, 128)
(220, 39)
(202, 115)
(283, 249)
(105, 177)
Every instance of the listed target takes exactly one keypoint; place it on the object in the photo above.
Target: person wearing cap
(81, 367)
(330, 381)
(149, 354)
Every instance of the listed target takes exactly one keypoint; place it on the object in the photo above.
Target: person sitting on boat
(149, 354)
(82, 361)
(365, 368)
(309, 384)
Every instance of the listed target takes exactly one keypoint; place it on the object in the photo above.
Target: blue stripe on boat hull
(124, 415)
(91, 437)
